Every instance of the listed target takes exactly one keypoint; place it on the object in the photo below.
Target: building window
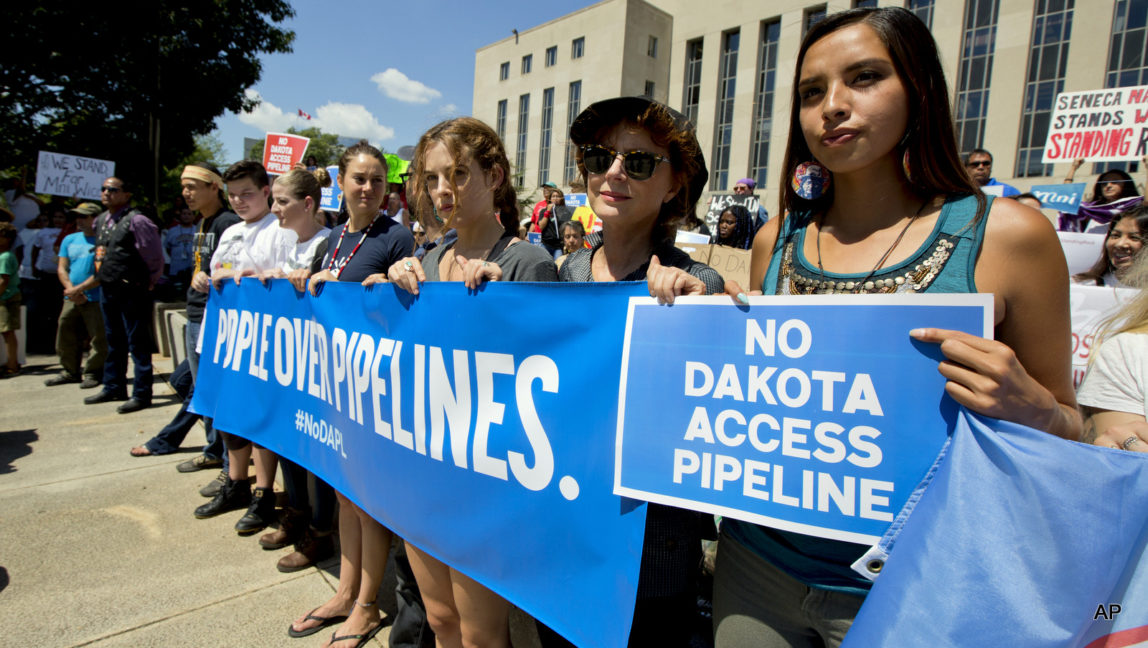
(649, 93)
(547, 127)
(578, 47)
(723, 122)
(504, 71)
(813, 15)
(923, 9)
(652, 47)
(1127, 62)
(551, 55)
(763, 103)
(975, 72)
(574, 106)
(1047, 60)
(691, 93)
(527, 62)
(500, 121)
(520, 150)
(859, 4)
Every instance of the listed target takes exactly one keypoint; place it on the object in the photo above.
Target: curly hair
(467, 138)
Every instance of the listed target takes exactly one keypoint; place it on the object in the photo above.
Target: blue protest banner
(815, 414)
(574, 200)
(332, 197)
(462, 421)
(1021, 539)
(1061, 197)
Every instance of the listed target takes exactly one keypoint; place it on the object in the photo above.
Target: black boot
(232, 496)
(259, 515)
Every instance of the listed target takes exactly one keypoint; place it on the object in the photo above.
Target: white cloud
(350, 120)
(268, 117)
(396, 85)
(447, 111)
(345, 120)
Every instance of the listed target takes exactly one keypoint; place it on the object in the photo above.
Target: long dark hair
(743, 231)
(467, 138)
(934, 162)
(1127, 186)
(1103, 265)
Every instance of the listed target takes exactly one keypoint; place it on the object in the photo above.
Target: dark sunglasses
(110, 189)
(980, 164)
(639, 165)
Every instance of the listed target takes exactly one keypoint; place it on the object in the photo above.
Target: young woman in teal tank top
(899, 214)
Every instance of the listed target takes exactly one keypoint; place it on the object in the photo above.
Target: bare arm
(1024, 375)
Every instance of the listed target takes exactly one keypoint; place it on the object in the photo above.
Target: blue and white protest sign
(332, 197)
(1061, 197)
(814, 414)
(574, 200)
(454, 419)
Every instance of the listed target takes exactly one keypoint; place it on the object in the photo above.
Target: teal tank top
(944, 263)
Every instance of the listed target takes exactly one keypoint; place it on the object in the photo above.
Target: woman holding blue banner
(374, 243)
(644, 172)
(461, 172)
(896, 213)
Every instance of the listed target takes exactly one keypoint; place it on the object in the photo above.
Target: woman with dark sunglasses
(644, 172)
(1114, 193)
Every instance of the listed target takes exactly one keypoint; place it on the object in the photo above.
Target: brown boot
(291, 527)
(311, 548)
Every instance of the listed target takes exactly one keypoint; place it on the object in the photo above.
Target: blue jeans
(214, 447)
(172, 435)
(127, 320)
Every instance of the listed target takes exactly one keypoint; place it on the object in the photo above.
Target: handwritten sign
(730, 263)
(72, 176)
(281, 151)
(1099, 126)
(719, 202)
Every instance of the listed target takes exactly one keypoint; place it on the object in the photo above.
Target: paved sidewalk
(99, 548)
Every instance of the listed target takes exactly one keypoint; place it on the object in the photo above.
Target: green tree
(324, 146)
(134, 82)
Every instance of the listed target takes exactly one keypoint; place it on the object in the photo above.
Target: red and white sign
(1099, 126)
(282, 151)
(1090, 307)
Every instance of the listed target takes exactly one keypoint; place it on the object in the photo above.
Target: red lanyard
(335, 254)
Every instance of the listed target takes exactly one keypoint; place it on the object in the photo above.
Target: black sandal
(364, 638)
(323, 623)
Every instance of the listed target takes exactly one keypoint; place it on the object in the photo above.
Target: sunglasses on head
(639, 165)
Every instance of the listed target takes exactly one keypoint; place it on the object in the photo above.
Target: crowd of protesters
(877, 191)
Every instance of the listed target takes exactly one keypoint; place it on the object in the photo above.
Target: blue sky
(380, 69)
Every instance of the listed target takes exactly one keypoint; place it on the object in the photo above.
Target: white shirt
(1117, 379)
(257, 245)
(304, 252)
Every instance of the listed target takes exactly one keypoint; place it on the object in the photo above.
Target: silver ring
(409, 266)
(484, 264)
(1129, 442)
